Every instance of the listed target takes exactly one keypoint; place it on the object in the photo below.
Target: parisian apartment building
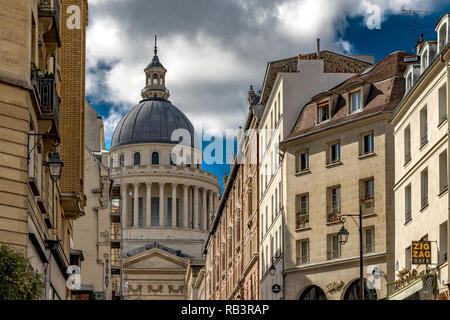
(340, 161)
(421, 162)
(41, 129)
(288, 85)
(232, 250)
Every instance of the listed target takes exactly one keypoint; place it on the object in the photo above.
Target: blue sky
(211, 63)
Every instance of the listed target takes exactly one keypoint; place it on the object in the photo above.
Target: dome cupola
(155, 74)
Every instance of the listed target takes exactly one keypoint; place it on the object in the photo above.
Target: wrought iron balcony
(302, 219)
(333, 254)
(334, 214)
(51, 9)
(424, 201)
(407, 157)
(303, 259)
(49, 101)
(369, 248)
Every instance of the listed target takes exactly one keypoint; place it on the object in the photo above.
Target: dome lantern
(155, 73)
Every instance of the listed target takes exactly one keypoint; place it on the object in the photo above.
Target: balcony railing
(333, 254)
(302, 219)
(48, 96)
(303, 259)
(407, 157)
(424, 140)
(424, 201)
(334, 214)
(369, 248)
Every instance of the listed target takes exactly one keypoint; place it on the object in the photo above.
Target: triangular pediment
(155, 259)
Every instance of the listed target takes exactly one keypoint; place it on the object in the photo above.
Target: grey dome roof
(155, 62)
(152, 121)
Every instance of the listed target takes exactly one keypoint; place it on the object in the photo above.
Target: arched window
(155, 158)
(121, 160)
(353, 292)
(161, 80)
(155, 79)
(137, 159)
(313, 293)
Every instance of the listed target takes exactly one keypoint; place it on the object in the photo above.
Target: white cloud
(209, 70)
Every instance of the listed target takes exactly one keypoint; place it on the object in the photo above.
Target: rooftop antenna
(156, 47)
(413, 13)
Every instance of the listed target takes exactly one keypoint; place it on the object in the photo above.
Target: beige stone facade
(232, 255)
(421, 162)
(288, 84)
(32, 215)
(92, 231)
(340, 159)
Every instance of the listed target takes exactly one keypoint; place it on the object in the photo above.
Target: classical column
(174, 205)
(162, 222)
(124, 206)
(204, 214)
(185, 206)
(210, 207)
(195, 211)
(136, 204)
(148, 221)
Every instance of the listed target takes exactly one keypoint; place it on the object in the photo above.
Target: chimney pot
(318, 48)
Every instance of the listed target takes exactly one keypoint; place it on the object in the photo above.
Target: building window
(408, 258)
(442, 104)
(137, 159)
(367, 192)
(442, 35)
(355, 101)
(334, 204)
(424, 188)
(155, 158)
(302, 251)
(335, 152)
(334, 251)
(369, 240)
(367, 143)
(423, 126)
(267, 218)
(140, 212)
(424, 59)
(408, 203)
(443, 184)
(323, 112)
(121, 160)
(409, 81)
(155, 212)
(443, 245)
(407, 144)
(303, 162)
(302, 204)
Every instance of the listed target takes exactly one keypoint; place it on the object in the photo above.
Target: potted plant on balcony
(41, 72)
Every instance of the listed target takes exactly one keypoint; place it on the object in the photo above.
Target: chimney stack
(318, 48)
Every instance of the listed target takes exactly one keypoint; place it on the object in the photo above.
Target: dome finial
(156, 47)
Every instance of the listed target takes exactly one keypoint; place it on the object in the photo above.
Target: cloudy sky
(214, 49)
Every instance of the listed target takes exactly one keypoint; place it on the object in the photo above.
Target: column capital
(161, 184)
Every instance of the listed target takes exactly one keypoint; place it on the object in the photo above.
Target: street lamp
(272, 270)
(343, 238)
(55, 165)
(343, 235)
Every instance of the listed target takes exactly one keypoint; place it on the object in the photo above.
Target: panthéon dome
(155, 118)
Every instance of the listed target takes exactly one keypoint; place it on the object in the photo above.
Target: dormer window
(323, 113)
(409, 81)
(424, 59)
(442, 29)
(355, 101)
